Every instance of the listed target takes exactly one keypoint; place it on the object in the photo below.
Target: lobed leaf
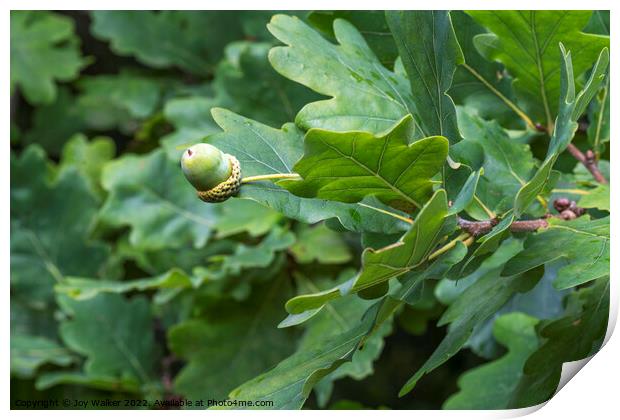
(352, 165)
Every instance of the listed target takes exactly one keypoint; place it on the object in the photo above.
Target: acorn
(214, 174)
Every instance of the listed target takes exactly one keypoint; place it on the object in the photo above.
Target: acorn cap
(205, 166)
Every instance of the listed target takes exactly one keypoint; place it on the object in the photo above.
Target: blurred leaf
(365, 95)
(543, 302)
(526, 42)
(597, 198)
(53, 124)
(192, 120)
(218, 360)
(583, 242)
(28, 353)
(106, 383)
(44, 49)
(190, 40)
(260, 255)
(150, 194)
(490, 386)
(320, 244)
(238, 216)
(80, 288)
(430, 53)
(110, 101)
(115, 334)
(50, 224)
(476, 304)
(264, 150)
(575, 336)
(349, 166)
(88, 158)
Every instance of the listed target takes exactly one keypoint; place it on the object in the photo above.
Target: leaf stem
(487, 210)
(268, 177)
(501, 96)
(461, 238)
(389, 213)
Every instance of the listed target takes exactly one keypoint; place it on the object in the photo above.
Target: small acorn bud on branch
(214, 174)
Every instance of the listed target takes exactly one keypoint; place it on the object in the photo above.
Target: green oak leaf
(188, 40)
(467, 193)
(597, 198)
(289, 384)
(248, 85)
(430, 53)
(53, 124)
(543, 302)
(479, 84)
(28, 353)
(365, 95)
(414, 283)
(80, 288)
(218, 361)
(479, 301)
(507, 164)
(572, 106)
(526, 43)
(380, 265)
(583, 242)
(103, 382)
(191, 118)
(599, 117)
(115, 334)
(264, 150)
(339, 317)
(51, 218)
(88, 158)
(321, 244)
(352, 165)
(150, 194)
(490, 386)
(371, 24)
(575, 336)
(237, 216)
(44, 50)
(108, 101)
(260, 255)
(245, 83)
(599, 23)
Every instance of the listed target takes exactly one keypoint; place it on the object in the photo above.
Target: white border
(595, 390)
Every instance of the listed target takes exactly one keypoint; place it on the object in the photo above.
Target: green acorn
(205, 166)
(215, 175)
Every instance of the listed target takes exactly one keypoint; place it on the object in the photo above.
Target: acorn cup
(215, 175)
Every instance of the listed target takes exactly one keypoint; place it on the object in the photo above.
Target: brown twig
(567, 209)
(589, 161)
(485, 226)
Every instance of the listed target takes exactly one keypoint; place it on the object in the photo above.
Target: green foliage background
(125, 286)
